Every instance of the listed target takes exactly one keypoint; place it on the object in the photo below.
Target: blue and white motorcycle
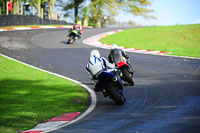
(111, 85)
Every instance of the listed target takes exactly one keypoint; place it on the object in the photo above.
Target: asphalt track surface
(165, 98)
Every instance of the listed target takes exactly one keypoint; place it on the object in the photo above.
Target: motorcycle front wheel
(115, 94)
(70, 40)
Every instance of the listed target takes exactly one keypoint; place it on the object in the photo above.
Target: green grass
(29, 96)
(181, 40)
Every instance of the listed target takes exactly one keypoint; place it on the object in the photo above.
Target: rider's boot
(97, 88)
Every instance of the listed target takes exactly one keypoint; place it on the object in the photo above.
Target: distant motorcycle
(73, 35)
(123, 66)
(111, 85)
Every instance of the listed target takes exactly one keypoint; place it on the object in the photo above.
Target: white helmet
(114, 46)
(95, 53)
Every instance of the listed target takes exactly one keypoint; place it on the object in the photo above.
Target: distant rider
(115, 48)
(95, 65)
(77, 27)
(10, 6)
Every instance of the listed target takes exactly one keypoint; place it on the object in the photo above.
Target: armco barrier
(10, 20)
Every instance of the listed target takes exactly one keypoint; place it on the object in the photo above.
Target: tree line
(38, 4)
(96, 13)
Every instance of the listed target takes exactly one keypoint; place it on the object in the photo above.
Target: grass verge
(181, 40)
(29, 96)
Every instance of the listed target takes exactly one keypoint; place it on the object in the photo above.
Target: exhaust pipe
(115, 79)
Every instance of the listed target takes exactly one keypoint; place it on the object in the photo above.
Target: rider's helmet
(78, 22)
(95, 53)
(114, 46)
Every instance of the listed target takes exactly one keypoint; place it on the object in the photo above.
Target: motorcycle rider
(77, 27)
(123, 53)
(95, 65)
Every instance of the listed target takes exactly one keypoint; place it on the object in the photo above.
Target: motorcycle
(123, 66)
(73, 35)
(111, 85)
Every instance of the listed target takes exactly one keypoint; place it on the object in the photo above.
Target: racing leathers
(95, 66)
(122, 53)
(77, 27)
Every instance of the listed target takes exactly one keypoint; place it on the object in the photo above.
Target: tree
(39, 4)
(73, 5)
(85, 16)
(137, 7)
(101, 8)
(16, 6)
(3, 6)
(51, 7)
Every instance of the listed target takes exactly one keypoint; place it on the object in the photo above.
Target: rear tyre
(115, 94)
(127, 76)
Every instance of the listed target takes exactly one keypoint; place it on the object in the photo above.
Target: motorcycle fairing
(75, 32)
(106, 77)
(121, 63)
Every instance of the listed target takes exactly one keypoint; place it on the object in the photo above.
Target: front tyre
(70, 40)
(115, 94)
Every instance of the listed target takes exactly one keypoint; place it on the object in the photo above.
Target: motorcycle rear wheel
(127, 76)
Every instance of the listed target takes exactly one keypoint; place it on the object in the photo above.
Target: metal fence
(10, 20)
